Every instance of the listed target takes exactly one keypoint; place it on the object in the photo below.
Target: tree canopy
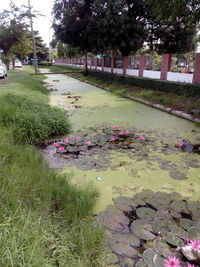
(169, 26)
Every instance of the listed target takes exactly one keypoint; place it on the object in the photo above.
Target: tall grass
(45, 220)
(32, 121)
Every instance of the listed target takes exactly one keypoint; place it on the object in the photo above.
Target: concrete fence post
(112, 64)
(125, 64)
(142, 65)
(102, 63)
(196, 76)
(96, 62)
(166, 66)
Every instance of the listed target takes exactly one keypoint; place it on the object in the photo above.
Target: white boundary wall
(118, 71)
(171, 76)
(152, 74)
(107, 69)
(132, 72)
(180, 77)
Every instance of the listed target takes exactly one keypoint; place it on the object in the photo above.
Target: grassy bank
(44, 219)
(175, 101)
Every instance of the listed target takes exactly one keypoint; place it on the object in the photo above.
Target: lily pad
(115, 222)
(140, 263)
(162, 198)
(161, 247)
(142, 229)
(148, 256)
(146, 213)
(177, 175)
(127, 239)
(179, 206)
(194, 233)
(187, 148)
(122, 244)
(172, 239)
(186, 223)
(158, 261)
(124, 203)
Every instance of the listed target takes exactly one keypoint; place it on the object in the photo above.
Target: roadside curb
(177, 113)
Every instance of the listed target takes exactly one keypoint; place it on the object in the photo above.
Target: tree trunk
(86, 65)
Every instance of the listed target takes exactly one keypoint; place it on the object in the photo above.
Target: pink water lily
(186, 240)
(172, 262)
(78, 139)
(142, 138)
(115, 128)
(121, 133)
(88, 143)
(66, 140)
(195, 245)
(181, 143)
(113, 139)
(190, 265)
(61, 148)
(55, 144)
(126, 132)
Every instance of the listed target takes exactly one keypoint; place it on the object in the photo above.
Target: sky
(41, 23)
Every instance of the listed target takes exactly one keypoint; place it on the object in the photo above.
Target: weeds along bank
(44, 219)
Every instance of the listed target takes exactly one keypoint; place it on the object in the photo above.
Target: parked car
(3, 70)
(18, 64)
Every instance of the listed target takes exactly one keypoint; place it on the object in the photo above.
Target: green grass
(24, 109)
(45, 219)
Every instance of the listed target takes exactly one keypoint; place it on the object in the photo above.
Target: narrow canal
(155, 164)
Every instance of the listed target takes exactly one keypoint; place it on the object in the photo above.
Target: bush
(45, 64)
(186, 89)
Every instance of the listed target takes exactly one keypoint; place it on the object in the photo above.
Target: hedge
(45, 64)
(186, 89)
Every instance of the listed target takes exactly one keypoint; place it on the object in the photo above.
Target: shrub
(186, 89)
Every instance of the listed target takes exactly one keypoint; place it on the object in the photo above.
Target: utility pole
(33, 38)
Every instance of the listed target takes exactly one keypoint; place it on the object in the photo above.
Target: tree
(23, 47)
(41, 48)
(12, 28)
(122, 24)
(172, 25)
(74, 24)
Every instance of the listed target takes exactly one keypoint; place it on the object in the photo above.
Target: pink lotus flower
(61, 148)
(66, 140)
(190, 265)
(78, 139)
(115, 128)
(186, 240)
(113, 139)
(142, 138)
(181, 143)
(126, 132)
(172, 262)
(121, 133)
(88, 143)
(195, 245)
(55, 144)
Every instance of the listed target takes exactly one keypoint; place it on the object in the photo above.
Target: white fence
(171, 76)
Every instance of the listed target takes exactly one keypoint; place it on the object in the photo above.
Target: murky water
(158, 166)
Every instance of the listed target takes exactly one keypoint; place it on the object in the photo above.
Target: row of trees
(15, 36)
(125, 26)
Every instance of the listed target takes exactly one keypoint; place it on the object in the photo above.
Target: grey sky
(41, 24)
